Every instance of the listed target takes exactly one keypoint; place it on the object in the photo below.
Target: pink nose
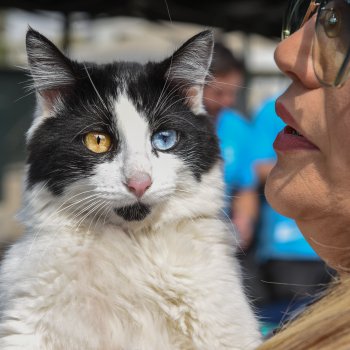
(139, 183)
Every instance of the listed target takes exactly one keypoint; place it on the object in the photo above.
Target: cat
(124, 247)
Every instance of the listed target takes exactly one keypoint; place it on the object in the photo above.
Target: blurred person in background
(291, 269)
(234, 132)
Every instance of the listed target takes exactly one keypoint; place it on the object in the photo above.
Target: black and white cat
(124, 248)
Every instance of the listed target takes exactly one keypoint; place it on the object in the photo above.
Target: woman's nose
(293, 56)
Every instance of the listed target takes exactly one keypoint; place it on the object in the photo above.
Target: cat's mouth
(134, 212)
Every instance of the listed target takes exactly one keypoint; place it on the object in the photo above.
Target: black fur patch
(135, 212)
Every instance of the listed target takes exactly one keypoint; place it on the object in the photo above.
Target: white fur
(82, 278)
(136, 136)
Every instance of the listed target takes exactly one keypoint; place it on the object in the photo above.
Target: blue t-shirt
(278, 236)
(235, 135)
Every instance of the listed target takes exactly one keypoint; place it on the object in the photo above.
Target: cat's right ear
(188, 68)
(50, 69)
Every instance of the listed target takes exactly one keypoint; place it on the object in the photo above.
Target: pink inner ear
(194, 99)
(50, 96)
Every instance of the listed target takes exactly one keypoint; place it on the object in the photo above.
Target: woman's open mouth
(290, 139)
(289, 130)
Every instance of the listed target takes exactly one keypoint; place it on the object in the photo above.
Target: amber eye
(98, 142)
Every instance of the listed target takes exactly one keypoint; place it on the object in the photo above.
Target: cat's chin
(134, 212)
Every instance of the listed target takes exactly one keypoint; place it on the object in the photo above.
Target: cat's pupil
(165, 138)
(98, 139)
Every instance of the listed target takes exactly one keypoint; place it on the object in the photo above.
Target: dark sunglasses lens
(294, 16)
(331, 44)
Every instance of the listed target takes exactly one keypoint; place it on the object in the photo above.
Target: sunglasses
(331, 43)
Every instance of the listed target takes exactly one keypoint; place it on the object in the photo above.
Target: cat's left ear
(51, 70)
(188, 68)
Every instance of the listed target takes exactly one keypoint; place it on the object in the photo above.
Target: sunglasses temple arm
(310, 11)
(342, 70)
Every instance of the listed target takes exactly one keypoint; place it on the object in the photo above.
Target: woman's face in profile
(311, 180)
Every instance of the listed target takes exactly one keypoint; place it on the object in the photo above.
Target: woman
(310, 182)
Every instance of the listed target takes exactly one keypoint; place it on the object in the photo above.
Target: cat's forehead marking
(131, 124)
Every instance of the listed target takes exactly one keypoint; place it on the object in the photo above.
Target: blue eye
(164, 140)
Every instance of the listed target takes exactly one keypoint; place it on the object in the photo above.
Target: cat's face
(118, 142)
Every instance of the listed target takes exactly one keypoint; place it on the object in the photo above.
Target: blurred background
(141, 30)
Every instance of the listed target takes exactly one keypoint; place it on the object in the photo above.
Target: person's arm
(245, 209)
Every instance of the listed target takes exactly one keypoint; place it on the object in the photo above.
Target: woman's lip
(289, 142)
(283, 113)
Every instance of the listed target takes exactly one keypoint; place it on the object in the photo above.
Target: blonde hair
(324, 325)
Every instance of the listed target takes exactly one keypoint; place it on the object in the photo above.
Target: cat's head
(122, 142)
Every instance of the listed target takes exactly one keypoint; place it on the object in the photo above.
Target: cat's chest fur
(173, 288)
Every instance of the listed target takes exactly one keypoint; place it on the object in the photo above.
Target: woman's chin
(284, 196)
(301, 191)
